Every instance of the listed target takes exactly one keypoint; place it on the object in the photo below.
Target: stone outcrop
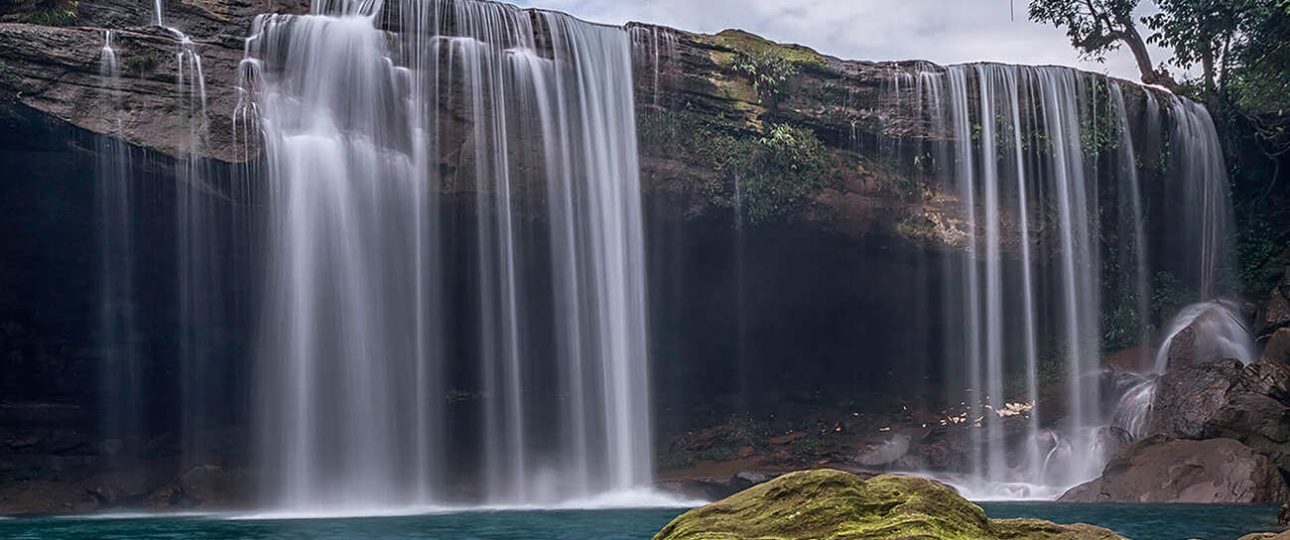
(56, 70)
(1250, 404)
(827, 504)
(1160, 470)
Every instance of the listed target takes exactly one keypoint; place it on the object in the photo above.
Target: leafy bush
(770, 74)
(767, 178)
(46, 12)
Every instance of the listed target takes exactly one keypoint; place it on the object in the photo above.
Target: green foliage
(770, 74)
(1120, 323)
(768, 178)
(140, 63)
(1168, 296)
(716, 453)
(1099, 135)
(771, 67)
(46, 12)
(1095, 27)
(810, 446)
(1203, 31)
(1261, 242)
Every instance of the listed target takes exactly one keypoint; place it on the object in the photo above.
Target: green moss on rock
(835, 505)
(750, 44)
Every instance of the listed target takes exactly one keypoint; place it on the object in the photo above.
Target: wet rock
(39, 497)
(1188, 396)
(1182, 349)
(212, 486)
(1277, 348)
(1267, 536)
(1161, 470)
(1250, 404)
(828, 504)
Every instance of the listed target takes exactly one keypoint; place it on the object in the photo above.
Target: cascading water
(121, 371)
(455, 270)
(1034, 155)
(356, 130)
(1212, 329)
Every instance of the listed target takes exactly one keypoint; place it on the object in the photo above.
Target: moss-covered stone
(746, 43)
(835, 505)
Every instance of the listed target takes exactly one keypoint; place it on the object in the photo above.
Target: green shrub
(46, 12)
(767, 178)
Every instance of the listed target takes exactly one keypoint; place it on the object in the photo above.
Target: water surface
(1141, 522)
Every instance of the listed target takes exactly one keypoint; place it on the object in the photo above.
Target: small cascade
(1204, 219)
(122, 370)
(202, 301)
(1206, 332)
(657, 49)
(1137, 392)
(1200, 333)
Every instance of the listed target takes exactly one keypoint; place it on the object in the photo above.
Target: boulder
(1250, 404)
(828, 504)
(1161, 470)
(1277, 348)
(1188, 396)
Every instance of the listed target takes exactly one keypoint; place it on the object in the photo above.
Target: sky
(942, 31)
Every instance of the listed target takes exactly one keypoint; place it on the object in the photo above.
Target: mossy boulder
(835, 505)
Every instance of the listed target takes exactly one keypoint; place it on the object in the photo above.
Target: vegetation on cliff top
(769, 66)
(831, 505)
(42, 12)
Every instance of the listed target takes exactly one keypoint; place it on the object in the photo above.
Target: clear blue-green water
(1135, 521)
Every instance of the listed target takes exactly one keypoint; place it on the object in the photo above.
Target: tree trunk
(1138, 47)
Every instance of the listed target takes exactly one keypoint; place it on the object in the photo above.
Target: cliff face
(57, 70)
(703, 99)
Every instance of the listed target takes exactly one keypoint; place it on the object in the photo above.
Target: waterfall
(364, 135)
(1036, 157)
(118, 339)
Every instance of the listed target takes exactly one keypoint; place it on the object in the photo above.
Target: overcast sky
(943, 31)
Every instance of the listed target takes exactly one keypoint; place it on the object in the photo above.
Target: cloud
(942, 31)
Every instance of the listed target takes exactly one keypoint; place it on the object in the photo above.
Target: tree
(1097, 27)
(1204, 32)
